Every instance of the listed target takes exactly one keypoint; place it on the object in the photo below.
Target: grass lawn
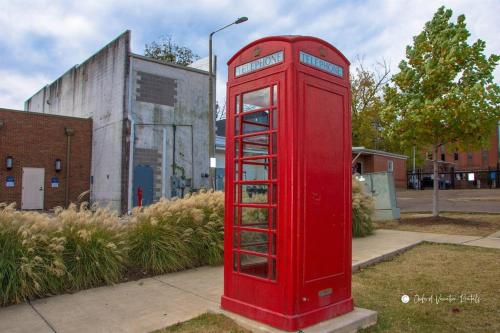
(433, 270)
(206, 323)
(425, 273)
(447, 223)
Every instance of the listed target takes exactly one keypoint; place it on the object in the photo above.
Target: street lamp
(211, 127)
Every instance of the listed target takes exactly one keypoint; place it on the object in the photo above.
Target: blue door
(143, 179)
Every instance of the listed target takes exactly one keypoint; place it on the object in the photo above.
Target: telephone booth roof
(289, 39)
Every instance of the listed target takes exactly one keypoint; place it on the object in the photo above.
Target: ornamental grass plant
(362, 211)
(30, 256)
(83, 247)
(176, 234)
(94, 246)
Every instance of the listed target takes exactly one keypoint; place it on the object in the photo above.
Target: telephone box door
(253, 190)
(322, 172)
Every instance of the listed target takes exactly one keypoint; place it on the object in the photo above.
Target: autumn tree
(167, 50)
(366, 92)
(445, 92)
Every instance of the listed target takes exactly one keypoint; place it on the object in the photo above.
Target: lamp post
(211, 127)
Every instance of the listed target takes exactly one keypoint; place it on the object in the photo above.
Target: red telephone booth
(288, 183)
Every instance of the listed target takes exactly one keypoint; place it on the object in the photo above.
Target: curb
(385, 257)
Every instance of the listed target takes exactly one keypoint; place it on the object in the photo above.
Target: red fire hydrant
(139, 196)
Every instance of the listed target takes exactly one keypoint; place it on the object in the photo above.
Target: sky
(41, 39)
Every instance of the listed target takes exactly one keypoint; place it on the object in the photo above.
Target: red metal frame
(289, 267)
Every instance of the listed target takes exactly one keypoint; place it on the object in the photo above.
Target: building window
(485, 155)
(443, 153)
(455, 156)
(390, 166)
(469, 158)
(359, 168)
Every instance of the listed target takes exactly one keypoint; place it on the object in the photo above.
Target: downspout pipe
(69, 133)
(130, 117)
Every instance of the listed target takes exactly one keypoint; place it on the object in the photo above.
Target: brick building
(485, 159)
(372, 160)
(474, 169)
(34, 159)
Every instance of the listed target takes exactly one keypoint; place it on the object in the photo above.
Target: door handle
(41, 188)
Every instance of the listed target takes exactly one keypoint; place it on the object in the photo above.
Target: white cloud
(48, 37)
(16, 87)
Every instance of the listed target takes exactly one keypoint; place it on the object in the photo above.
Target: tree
(444, 93)
(167, 50)
(220, 112)
(366, 92)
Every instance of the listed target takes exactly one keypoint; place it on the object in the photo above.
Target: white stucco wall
(152, 120)
(96, 89)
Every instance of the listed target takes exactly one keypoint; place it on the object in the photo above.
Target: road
(484, 200)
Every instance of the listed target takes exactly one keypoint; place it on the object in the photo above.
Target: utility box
(288, 183)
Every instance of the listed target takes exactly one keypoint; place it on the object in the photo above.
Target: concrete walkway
(154, 303)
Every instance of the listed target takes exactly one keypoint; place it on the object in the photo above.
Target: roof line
(378, 152)
(171, 64)
(31, 113)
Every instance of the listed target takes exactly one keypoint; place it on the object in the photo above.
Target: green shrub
(94, 249)
(362, 211)
(176, 234)
(156, 246)
(80, 248)
(30, 256)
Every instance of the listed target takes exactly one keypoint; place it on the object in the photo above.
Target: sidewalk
(154, 303)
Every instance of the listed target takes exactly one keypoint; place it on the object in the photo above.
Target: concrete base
(350, 322)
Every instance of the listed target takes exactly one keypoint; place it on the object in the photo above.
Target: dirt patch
(447, 223)
(429, 220)
(134, 274)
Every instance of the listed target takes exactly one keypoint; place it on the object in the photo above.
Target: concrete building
(150, 123)
(45, 159)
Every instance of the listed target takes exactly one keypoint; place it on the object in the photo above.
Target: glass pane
(262, 140)
(236, 168)
(236, 125)
(274, 149)
(273, 244)
(256, 145)
(236, 194)
(273, 269)
(275, 119)
(256, 99)
(253, 265)
(235, 216)
(275, 94)
(254, 217)
(236, 148)
(254, 241)
(235, 262)
(275, 193)
(274, 166)
(273, 218)
(254, 193)
(235, 239)
(256, 122)
(255, 169)
(237, 103)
